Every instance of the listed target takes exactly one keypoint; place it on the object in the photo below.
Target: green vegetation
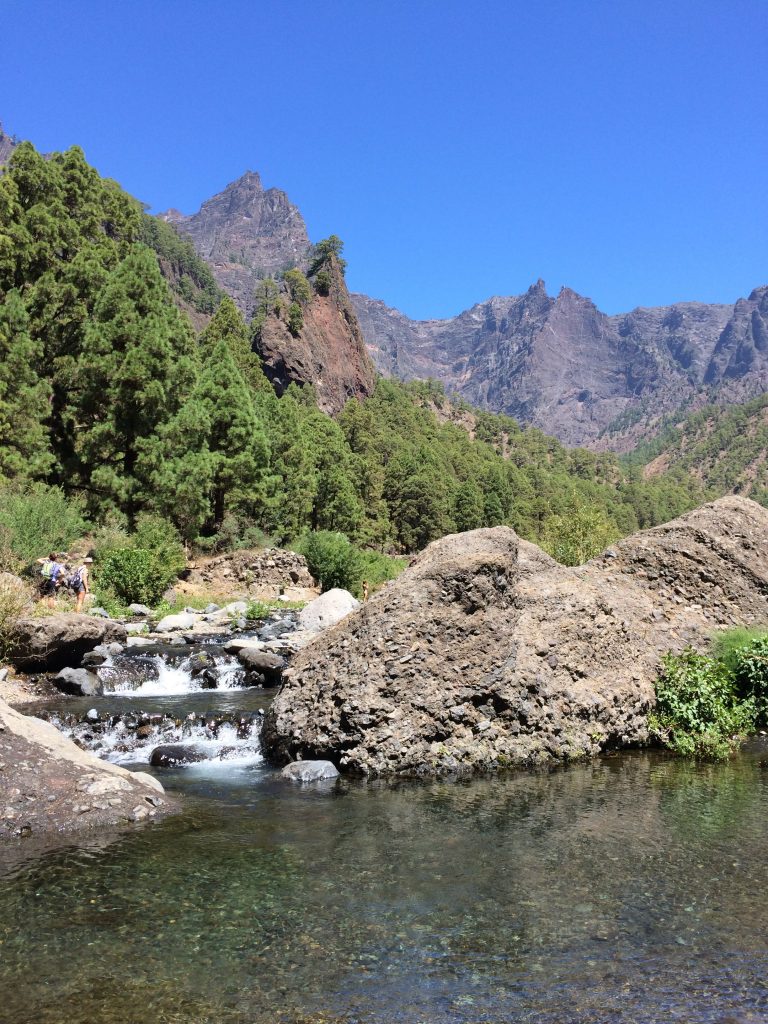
(705, 705)
(188, 275)
(14, 601)
(723, 446)
(109, 401)
(35, 520)
(334, 562)
(132, 574)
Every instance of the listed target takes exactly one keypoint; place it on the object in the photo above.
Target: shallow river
(632, 889)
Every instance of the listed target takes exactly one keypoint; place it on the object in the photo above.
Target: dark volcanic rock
(78, 682)
(171, 755)
(562, 365)
(58, 641)
(486, 653)
(246, 233)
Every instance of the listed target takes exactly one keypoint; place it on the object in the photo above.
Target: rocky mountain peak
(246, 233)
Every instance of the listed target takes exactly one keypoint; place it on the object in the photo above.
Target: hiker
(365, 590)
(51, 577)
(78, 582)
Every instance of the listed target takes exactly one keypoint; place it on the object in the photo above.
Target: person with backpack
(78, 582)
(51, 578)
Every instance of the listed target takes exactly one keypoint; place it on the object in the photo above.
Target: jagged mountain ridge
(246, 233)
(562, 365)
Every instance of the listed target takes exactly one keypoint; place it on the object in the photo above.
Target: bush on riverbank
(335, 562)
(705, 705)
(34, 520)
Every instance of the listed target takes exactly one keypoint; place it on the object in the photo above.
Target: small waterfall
(231, 737)
(163, 675)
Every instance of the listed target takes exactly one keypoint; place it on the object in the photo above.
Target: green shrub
(335, 562)
(698, 711)
(378, 568)
(35, 520)
(728, 645)
(133, 574)
(332, 560)
(155, 534)
(751, 675)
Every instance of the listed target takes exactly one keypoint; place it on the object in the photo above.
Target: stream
(630, 889)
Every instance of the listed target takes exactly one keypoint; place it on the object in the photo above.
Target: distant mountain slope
(725, 447)
(7, 144)
(246, 233)
(562, 365)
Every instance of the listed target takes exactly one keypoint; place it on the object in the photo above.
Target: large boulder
(310, 771)
(326, 610)
(51, 642)
(171, 623)
(486, 652)
(261, 667)
(52, 786)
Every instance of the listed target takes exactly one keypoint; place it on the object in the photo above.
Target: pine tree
(134, 372)
(24, 396)
(228, 326)
(234, 437)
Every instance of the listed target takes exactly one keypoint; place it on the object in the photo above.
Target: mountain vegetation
(110, 398)
(725, 447)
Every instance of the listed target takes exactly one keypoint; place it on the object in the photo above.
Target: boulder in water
(172, 623)
(171, 755)
(262, 668)
(326, 610)
(51, 642)
(78, 682)
(310, 771)
(487, 653)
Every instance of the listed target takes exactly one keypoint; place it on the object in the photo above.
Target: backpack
(75, 579)
(51, 570)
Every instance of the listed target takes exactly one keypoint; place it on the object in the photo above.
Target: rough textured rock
(52, 642)
(310, 771)
(328, 352)
(562, 365)
(326, 610)
(256, 574)
(485, 653)
(7, 145)
(245, 233)
(50, 785)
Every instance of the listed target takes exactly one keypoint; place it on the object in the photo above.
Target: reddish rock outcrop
(328, 352)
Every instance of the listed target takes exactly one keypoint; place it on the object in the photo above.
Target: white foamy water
(172, 680)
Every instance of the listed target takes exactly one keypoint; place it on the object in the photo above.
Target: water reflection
(632, 889)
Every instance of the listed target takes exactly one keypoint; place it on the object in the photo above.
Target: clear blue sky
(459, 149)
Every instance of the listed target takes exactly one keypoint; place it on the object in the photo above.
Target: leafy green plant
(698, 711)
(332, 560)
(34, 520)
(751, 675)
(133, 574)
(729, 645)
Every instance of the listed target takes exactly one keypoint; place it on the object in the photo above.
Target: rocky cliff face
(486, 653)
(562, 365)
(328, 352)
(7, 145)
(245, 233)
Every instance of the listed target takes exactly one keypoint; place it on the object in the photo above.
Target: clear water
(632, 889)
